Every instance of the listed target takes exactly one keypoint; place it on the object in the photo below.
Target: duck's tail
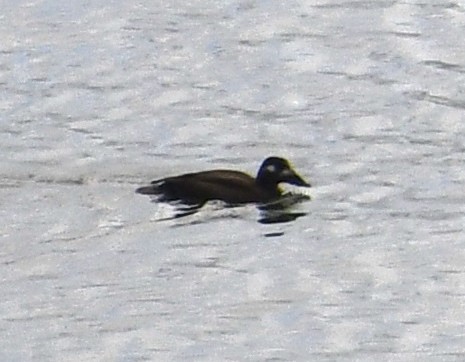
(153, 189)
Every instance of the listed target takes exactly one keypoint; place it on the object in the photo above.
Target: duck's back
(196, 188)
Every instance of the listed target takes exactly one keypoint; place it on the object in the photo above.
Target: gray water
(366, 98)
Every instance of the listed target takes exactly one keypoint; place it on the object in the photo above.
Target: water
(365, 98)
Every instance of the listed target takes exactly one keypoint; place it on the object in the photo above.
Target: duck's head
(275, 170)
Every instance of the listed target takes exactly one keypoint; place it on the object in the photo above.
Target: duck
(230, 186)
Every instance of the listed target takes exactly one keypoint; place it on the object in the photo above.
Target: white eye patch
(271, 168)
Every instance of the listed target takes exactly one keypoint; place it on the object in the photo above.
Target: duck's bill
(295, 179)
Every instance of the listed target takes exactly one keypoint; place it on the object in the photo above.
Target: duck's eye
(270, 168)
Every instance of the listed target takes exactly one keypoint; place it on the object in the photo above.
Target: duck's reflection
(279, 211)
(283, 209)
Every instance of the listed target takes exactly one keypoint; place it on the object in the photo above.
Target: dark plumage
(230, 186)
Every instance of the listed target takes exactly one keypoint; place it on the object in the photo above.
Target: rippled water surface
(366, 98)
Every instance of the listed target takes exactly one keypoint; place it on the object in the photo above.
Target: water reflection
(279, 211)
(282, 210)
